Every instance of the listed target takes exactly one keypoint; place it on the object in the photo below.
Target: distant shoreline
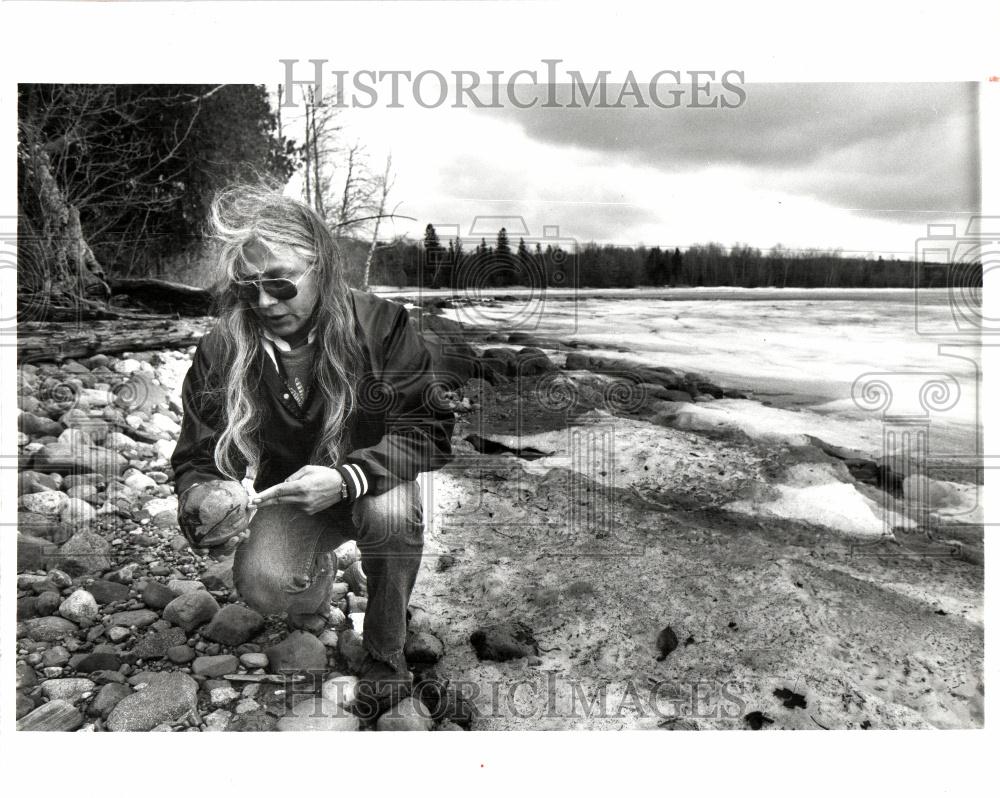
(688, 294)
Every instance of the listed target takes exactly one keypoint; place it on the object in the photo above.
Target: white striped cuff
(355, 479)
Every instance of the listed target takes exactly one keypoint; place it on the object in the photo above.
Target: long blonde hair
(245, 215)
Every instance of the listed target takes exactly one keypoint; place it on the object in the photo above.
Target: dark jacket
(396, 431)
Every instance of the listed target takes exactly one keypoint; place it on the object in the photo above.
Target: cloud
(877, 148)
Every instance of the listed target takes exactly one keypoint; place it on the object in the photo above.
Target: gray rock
(423, 647)
(213, 667)
(156, 595)
(32, 424)
(80, 607)
(233, 625)
(350, 647)
(49, 629)
(183, 586)
(105, 591)
(191, 610)
(99, 661)
(23, 706)
(24, 676)
(47, 503)
(504, 641)
(71, 690)
(219, 576)
(57, 715)
(531, 360)
(139, 618)
(57, 655)
(217, 721)
(157, 645)
(85, 552)
(34, 552)
(223, 696)
(318, 714)
(108, 697)
(65, 458)
(299, 652)
(410, 714)
(163, 701)
(47, 603)
(181, 654)
(253, 660)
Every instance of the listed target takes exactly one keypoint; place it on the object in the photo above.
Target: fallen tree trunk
(40, 341)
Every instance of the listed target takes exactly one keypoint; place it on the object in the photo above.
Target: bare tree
(386, 182)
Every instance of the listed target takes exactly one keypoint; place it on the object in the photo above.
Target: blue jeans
(287, 563)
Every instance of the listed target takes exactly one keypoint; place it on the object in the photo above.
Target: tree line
(456, 264)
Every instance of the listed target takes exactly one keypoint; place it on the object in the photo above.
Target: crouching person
(323, 399)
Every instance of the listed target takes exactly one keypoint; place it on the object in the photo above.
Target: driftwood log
(58, 341)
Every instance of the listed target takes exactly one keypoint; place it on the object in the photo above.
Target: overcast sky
(861, 167)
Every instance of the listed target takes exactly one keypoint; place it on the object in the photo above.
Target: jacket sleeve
(193, 459)
(418, 424)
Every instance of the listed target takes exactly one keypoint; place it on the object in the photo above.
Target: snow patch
(835, 505)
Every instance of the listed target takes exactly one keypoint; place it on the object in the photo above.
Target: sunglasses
(277, 287)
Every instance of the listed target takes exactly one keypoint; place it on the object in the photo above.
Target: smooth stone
(318, 714)
(55, 656)
(48, 603)
(410, 714)
(181, 655)
(34, 552)
(341, 690)
(183, 586)
(300, 651)
(219, 665)
(116, 634)
(156, 595)
(99, 661)
(252, 661)
(138, 618)
(233, 625)
(108, 698)
(191, 610)
(24, 676)
(24, 704)
(164, 700)
(105, 591)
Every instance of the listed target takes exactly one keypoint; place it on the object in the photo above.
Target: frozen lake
(800, 351)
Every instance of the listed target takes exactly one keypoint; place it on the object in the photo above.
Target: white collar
(270, 341)
(281, 343)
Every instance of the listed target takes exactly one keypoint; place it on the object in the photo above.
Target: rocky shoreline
(122, 626)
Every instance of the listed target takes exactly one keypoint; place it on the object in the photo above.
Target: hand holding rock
(211, 513)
